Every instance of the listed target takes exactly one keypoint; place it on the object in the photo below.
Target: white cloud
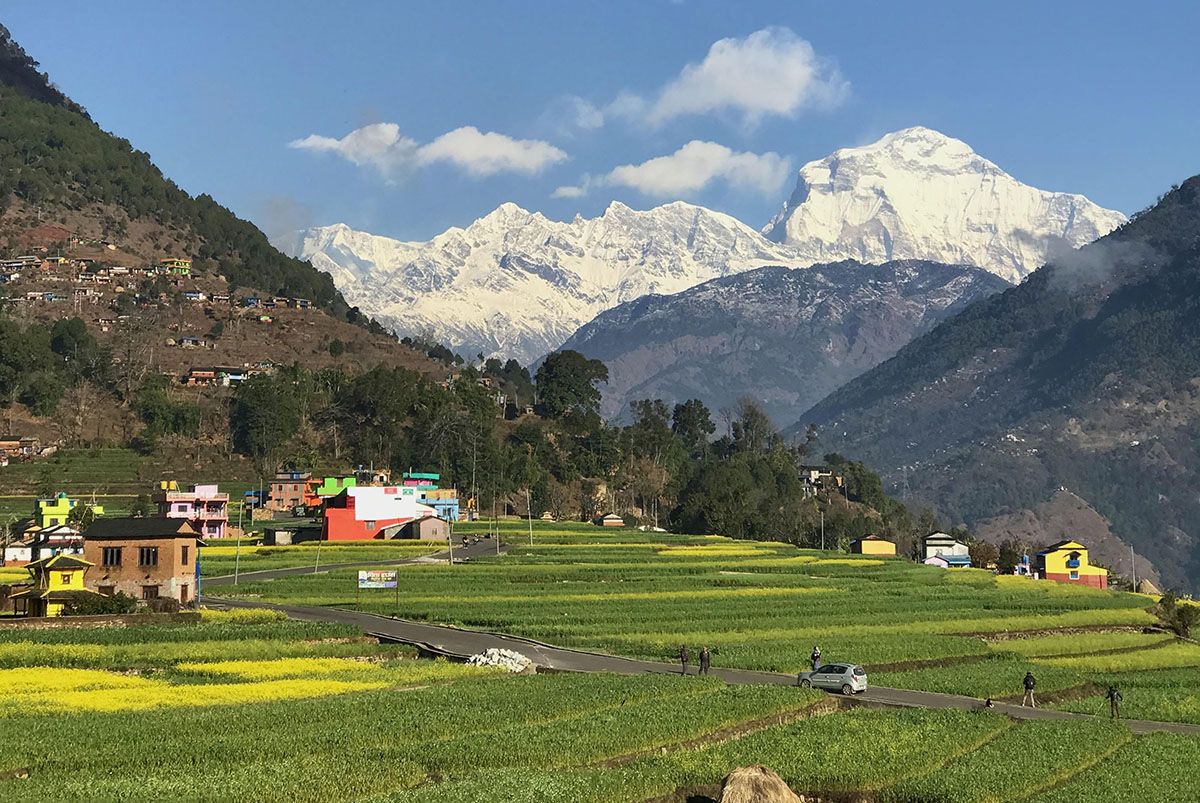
(699, 163)
(772, 72)
(379, 144)
(570, 191)
(482, 154)
(478, 154)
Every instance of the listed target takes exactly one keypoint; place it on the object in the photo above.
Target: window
(1074, 575)
(106, 591)
(148, 556)
(370, 525)
(183, 553)
(181, 508)
(149, 592)
(110, 556)
(66, 578)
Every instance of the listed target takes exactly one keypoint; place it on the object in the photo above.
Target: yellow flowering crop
(281, 668)
(242, 616)
(51, 680)
(687, 593)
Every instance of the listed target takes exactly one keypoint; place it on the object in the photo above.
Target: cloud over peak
(771, 72)
(476, 153)
(691, 168)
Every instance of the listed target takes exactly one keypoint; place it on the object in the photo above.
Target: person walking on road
(683, 658)
(704, 660)
(1114, 702)
(1030, 682)
(816, 658)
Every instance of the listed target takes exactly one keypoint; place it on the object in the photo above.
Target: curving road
(459, 644)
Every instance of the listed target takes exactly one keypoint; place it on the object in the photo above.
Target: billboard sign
(377, 578)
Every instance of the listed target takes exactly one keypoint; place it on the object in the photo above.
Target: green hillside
(55, 159)
(1084, 377)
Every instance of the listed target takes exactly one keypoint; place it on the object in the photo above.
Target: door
(828, 677)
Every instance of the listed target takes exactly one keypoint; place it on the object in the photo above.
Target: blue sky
(462, 106)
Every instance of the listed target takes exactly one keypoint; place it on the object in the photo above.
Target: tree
(82, 516)
(753, 430)
(693, 424)
(336, 348)
(982, 554)
(265, 416)
(566, 381)
(1009, 556)
(141, 507)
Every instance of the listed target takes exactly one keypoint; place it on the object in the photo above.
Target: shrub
(99, 605)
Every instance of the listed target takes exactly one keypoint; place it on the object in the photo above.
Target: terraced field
(245, 706)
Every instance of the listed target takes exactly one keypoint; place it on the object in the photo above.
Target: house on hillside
(1067, 562)
(873, 545)
(203, 505)
(146, 558)
(178, 267)
(288, 490)
(19, 445)
(56, 582)
(365, 512)
(56, 510)
(953, 553)
(611, 520)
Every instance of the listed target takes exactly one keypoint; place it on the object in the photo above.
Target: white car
(846, 678)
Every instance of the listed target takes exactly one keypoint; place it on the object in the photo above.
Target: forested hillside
(1084, 377)
(57, 165)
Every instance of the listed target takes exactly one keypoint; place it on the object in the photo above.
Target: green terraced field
(755, 605)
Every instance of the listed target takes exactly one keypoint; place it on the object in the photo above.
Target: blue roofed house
(943, 550)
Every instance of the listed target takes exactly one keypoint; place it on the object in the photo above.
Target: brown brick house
(145, 558)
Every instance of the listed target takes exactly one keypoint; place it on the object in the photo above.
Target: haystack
(756, 784)
(1146, 587)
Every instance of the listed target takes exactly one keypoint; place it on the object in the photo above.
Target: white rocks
(508, 659)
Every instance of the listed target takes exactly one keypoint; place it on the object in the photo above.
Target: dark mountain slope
(1085, 377)
(784, 336)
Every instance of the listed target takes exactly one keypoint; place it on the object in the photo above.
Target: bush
(163, 605)
(100, 605)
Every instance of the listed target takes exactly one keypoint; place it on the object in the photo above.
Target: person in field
(683, 658)
(1114, 702)
(704, 660)
(816, 658)
(1030, 682)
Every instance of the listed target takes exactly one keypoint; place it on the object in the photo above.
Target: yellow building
(873, 545)
(1067, 562)
(56, 510)
(57, 581)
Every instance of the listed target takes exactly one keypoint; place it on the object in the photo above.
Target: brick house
(288, 490)
(146, 558)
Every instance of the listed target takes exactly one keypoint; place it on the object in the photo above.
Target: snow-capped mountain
(515, 284)
(919, 194)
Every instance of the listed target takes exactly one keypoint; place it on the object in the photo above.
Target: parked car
(846, 678)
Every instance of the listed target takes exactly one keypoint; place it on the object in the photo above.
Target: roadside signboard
(377, 578)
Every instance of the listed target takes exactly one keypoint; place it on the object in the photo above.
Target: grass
(1077, 643)
(1180, 654)
(755, 605)
(1170, 695)
(220, 559)
(1156, 767)
(1002, 770)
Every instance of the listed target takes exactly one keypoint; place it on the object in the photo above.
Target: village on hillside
(74, 553)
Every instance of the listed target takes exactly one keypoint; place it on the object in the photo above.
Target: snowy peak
(919, 194)
(517, 284)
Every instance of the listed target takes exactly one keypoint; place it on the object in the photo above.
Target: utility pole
(1133, 566)
(529, 508)
(822, 530)
(237, 553)
(450, 541)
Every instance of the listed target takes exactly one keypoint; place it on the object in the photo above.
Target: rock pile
(510, 660)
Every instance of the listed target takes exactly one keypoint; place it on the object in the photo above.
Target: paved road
(460, 644)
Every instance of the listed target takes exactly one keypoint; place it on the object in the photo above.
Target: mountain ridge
(785, 336)
(1085, 377)
(517, 284)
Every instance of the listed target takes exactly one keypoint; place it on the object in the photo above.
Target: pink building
(203, 506)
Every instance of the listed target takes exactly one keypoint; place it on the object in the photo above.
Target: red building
(367, 512)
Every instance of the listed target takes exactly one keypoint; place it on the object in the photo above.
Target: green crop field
(245, 705)
(220, 558)
(755, 605)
